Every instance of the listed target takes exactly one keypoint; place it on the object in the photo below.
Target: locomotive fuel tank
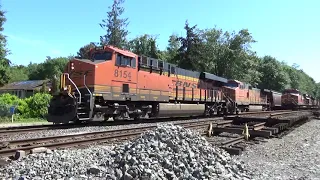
(176, 109)
(255, 108)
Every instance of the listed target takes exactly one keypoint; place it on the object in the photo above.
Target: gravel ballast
(294, 156)
(168, 152)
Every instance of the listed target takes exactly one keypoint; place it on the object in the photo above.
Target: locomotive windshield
(106, 56)
(232, 84)
(291, 91)
(123, 60)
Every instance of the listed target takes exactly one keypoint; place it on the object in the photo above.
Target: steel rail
(25, 129)
(10, 147)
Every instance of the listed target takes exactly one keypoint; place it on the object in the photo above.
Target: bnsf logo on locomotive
(185, 84)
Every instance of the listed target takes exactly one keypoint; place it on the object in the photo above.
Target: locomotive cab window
(173, 70)
(99, 56)
(125, 61)
(144, 60)
(232, 84)
(160, 64)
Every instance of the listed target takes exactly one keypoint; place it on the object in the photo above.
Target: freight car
(273, 99)
(119, 84)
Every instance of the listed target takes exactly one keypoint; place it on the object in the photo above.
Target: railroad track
(272, 125)
(218, 125)
(9, 148)
(26, 129)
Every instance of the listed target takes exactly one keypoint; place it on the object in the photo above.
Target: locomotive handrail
(294, 101)
(229, 99)
(68, 76)
(91, 102)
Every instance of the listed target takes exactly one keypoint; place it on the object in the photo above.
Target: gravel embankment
(87, 129)
(168, 152)
(295, 156)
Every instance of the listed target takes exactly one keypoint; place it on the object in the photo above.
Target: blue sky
(286, 29)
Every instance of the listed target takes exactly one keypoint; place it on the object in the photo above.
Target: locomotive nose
(61, 109)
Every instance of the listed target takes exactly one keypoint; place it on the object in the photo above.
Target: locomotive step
(84, 116)
(81, 113)
(84, 119)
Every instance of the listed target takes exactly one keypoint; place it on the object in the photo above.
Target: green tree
(273, 74)
(213, 50)
(250, 72)
(224, 54)
(189, 53)
(4, 62)
(237, 56)
(317, 90)
(18, 73)
(115, 26)
(145, 45)
(48, 69)
(172, 49)
(83, 52)
(298, 79)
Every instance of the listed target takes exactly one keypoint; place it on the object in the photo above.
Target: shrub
(7, 100)
(37, 105)
(32, 107)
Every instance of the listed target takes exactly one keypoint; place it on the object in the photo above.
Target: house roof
(23, 85)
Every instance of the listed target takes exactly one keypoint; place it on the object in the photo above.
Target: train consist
(122, 85)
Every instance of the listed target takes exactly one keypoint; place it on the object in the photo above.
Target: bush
(37, 105)
(7, 100)
(32, 107)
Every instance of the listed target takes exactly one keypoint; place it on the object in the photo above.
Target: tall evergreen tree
(172, 48)
(144, 45)
(115, 26)
(4, 62)
(190, 50)
(84, 51)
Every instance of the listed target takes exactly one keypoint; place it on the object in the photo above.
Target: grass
(7, 120)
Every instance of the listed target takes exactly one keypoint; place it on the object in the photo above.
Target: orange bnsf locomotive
(119, 84)
(294, 99)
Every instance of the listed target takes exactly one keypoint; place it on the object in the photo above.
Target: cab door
(124, 81)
